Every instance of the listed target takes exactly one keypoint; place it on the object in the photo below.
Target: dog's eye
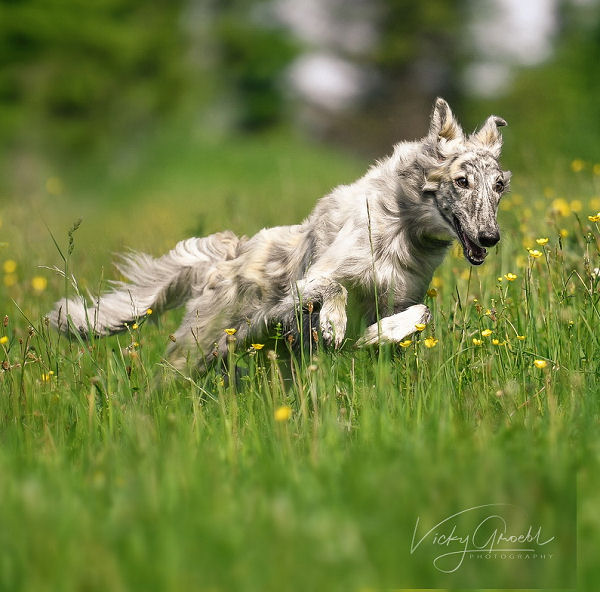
(462, 182)
(499, 186)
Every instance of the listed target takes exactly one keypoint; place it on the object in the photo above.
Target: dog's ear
(444, 125)
(489, 135)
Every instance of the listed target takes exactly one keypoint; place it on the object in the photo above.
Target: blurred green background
(85, 84)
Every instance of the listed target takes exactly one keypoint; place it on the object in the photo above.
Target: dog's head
(464, 181)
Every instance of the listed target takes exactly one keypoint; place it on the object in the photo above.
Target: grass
(309, 478)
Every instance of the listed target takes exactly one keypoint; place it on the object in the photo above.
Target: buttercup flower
(230, 331)
(560, 206)
(541, 241)
(430, 342)
(511, 277)
(486, 332)
(47, 376)
(9, 266)
(577, 165)
(3, 339)
(420, 326)
(258, 345)
(540, 363)
(283, 413)
(39, 283)
(477, 341)
(521, 337)
(10, 279)
(594, 218)
(535, 253)
(149, 311)
(432, 292)
(406, 343)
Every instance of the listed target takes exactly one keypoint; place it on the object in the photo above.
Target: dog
(381, 237)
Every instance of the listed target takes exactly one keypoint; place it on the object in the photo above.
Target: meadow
(309, 473)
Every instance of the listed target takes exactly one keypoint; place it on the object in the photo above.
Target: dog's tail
(154, 285)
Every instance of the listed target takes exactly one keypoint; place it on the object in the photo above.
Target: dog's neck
(405, 238)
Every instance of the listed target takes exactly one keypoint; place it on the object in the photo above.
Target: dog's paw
(332, 322)
(397, 327)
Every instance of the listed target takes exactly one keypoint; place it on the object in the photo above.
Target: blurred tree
(416, 56)
(554, 106)
(254, 51)
(73, 72)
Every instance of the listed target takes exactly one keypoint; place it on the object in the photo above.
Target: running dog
(381, 237)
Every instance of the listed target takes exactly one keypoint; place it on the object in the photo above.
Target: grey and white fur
(381, 237)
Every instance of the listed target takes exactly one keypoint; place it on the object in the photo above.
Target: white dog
(382, 237)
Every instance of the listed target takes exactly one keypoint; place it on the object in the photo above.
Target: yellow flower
(54, 186)
(535, 253)
(594, 218)
(495, 341)
(486, 332)
(437, 282)
(521, 337)
(39, 283)
(47, 376)
(563, 232)
(488, 312)
(499, 278)
(540, 363)
(577, 165)
(258, 345)
(10, 279)
(3, 339)
(405, 343)
(432, 292)
(420, 326)
(134, 326)
(576, 205)
(9, 266)
(431, 342)
(511, 277)
(283, 413)
(149, 311)
(560, 206)
(230, 331)
(477, 341)
(542, 241)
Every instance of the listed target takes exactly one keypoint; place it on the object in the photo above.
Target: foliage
(74, 72)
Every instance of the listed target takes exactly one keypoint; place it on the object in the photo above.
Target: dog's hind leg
(395, 328)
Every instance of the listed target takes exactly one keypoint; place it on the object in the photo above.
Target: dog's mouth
(473, 252)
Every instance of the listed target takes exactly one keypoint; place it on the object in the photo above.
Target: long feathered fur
(383, 235)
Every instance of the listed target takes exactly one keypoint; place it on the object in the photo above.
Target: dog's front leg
(332, 318)
(332, 297)
(395, 328)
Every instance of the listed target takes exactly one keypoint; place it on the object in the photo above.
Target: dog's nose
(488, 239)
